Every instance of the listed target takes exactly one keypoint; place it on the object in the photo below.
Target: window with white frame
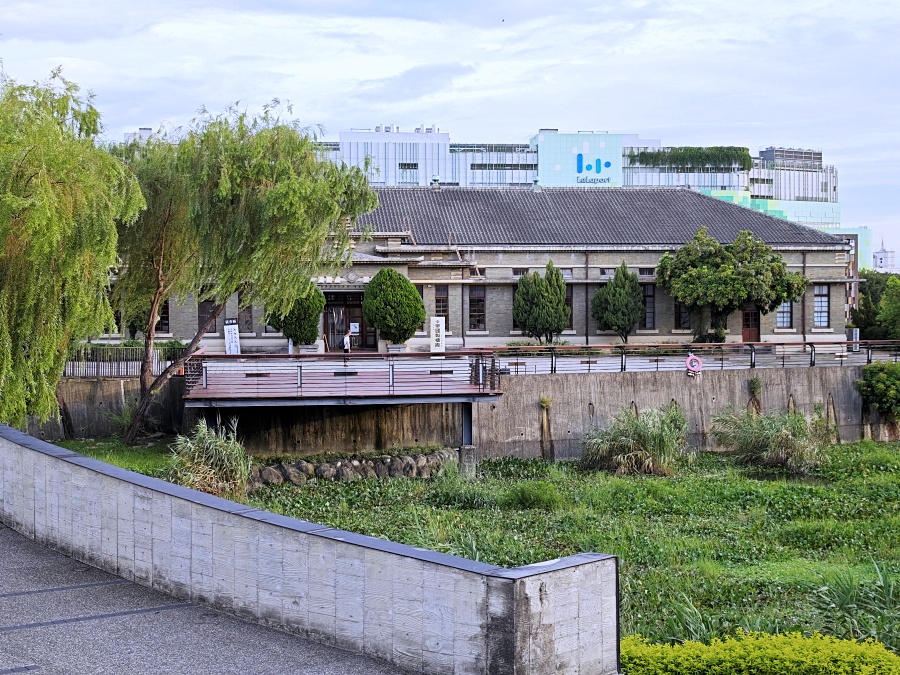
(821, 306)
(784, 316)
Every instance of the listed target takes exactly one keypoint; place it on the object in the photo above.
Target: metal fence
(116, 361)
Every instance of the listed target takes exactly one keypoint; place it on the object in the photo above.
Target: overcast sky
(820, 74)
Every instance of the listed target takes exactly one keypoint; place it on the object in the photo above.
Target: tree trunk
(137, 421)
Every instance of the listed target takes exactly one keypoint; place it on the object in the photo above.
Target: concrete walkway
(59, 616)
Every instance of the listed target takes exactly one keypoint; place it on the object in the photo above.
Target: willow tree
(60, 199)
(238, 203)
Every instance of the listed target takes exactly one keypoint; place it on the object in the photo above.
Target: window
(476, 272)
(682, 317)
(245, 315)
(646, 271)
(408, 166)
(421, 289)
(515, 323)
(821, 295)
(503, 167)
(784, 317)
(520, 271)
(648, 320)
(566, 272)
(205, 308)
(162, 326)
(476, 308)
(606, 272)
(442, 303)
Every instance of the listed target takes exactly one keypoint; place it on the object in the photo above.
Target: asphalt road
(59, 616)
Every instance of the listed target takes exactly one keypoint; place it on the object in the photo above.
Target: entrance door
(343, 311)
(750, 331)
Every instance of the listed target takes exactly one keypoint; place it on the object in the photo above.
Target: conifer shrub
(651, 442)
(301, 323)
(393, 305)
(619, 304)
(756, 653)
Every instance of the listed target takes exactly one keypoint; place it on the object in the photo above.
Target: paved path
(59, 616)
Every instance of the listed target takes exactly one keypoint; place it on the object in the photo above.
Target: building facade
(466, 248)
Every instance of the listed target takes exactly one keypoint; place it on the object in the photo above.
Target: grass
(151, 458)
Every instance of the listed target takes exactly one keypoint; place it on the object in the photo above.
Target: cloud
(413, 83)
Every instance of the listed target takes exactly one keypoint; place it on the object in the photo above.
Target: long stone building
(466, 248)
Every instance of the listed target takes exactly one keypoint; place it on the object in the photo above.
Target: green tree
(619, 305)
(539, 308)
(393, 305)
(240, 203)
(301, 323)
(60, 199)
(889, 309)
(865, 317)
(713, 281)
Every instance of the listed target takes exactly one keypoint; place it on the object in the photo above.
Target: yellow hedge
(759, 654)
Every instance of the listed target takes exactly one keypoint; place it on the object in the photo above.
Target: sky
(810, 73)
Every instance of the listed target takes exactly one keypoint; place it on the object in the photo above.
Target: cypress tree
(539, 308)
(618, 305)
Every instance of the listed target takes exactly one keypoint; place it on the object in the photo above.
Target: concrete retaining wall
(423, 611)
(582, 401)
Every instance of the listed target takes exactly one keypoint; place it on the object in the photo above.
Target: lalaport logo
(596, 166)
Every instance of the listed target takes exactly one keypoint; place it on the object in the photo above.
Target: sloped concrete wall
(423, 611)
(582, 401)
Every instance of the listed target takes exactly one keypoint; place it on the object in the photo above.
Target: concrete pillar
(467, 461)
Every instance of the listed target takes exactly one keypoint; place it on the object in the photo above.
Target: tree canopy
(539, 308)
(60, 199)
(239, 203)
(865, 316)
(889, 309)
(301, 324)
(619, 304)
(713, 281)
(393, 305)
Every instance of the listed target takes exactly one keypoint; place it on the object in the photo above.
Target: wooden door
(750, 330)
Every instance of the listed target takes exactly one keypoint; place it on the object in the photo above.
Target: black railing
(90, 361)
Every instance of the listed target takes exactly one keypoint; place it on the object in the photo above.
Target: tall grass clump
(651, 442)
(772, 440)
(211, 460)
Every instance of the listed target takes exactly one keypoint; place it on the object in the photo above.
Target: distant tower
(883, 260)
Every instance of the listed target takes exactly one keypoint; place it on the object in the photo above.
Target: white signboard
(438, 334)
(232, 340)
(354, 328)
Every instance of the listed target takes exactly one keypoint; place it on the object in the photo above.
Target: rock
(305, 468)
(380, 470)
(395, 468)
(409, 466)
(325, 471)
(346, 473)
(355, 464)
(254, 485)
(271, 476)
(368, 472)
(294, 475)
(419, 460)
(433, 461)
(254, 473)
(424, 471)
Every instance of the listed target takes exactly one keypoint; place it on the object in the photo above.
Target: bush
(538, 494)
(393, 305)
(539, 305)
(772, 440)
(301, 323)
(753, 653)
(649, 443)
(211, 460)
(880, 388)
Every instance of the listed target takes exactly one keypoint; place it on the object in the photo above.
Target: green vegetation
(713, 281)
(539, 305)
(301, 323)
(772, 440)
(60, 199)
(393, 305)
(756, 653)
(651, 442)
(889, 309)
(211, 460)
(688, 157)
(619, 305)
(705, 552)
(865, 317)
(151, 459)
(880, 388)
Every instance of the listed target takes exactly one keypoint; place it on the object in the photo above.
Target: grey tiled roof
(574, 216)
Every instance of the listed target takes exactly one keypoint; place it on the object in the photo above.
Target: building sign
(579, 160)
(438, 334)
(354, 328)
(232, 340)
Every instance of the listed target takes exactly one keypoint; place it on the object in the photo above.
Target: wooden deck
(232, 381)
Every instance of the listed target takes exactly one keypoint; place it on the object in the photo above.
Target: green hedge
(758, 654)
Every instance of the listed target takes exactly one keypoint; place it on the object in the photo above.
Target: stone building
(466, 248)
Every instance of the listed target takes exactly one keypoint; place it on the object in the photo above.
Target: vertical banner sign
(232, 341)
(438, 344)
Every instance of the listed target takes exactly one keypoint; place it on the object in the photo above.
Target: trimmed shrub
(619, 304)
(880, 388)
(538, 494)
(772, 440)
(651, 442)
(211, 460)
(393, 305)
(755, 653)
(539, 305)
(301, 323)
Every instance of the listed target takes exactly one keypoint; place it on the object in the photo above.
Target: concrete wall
(580, 402)
(423, 611)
